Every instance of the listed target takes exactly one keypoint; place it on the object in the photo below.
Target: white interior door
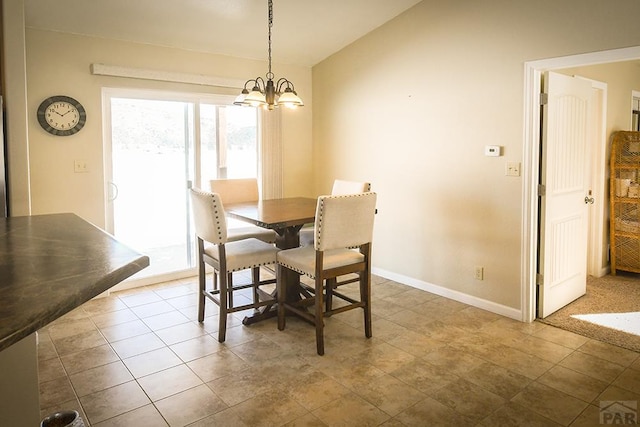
(563, 207)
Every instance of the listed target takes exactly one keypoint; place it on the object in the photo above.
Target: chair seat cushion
(239, 233)
(303, 259)
(244, 254)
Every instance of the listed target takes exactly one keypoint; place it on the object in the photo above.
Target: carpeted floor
(609, 312)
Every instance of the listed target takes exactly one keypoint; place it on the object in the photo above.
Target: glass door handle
(114, 193)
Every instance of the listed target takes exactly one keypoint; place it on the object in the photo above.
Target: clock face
(61, 115)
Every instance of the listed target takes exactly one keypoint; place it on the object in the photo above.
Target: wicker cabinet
(625, 202)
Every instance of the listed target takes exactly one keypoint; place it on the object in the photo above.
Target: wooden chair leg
(365, 296)
(201, 290)
(230, 289)
(319, 317)
(255, 277)
(281, 291)
(331, 285)
(222, 321)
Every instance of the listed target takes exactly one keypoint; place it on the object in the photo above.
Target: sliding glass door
(160, 145)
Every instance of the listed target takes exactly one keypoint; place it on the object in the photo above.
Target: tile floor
(140, 358)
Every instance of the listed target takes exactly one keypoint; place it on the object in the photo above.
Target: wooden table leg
(286, 238)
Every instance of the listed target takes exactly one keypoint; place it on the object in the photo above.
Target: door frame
(533, 71)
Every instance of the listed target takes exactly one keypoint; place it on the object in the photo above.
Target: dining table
(286, 216)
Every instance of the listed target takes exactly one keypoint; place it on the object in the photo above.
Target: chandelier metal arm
(266, 92)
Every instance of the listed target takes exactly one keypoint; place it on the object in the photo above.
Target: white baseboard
(493, 307)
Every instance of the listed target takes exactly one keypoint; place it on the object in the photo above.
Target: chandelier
(269, 94)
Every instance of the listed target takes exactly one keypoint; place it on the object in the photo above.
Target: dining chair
(226, 257)
(342, 223)
(241, 190)
(340, 187)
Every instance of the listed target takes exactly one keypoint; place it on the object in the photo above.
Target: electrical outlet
(479, 273)
(80, 166)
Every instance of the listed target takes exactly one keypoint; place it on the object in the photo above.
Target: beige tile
(588, 418)
(122, 331)
(165, 320)
(316, 389)
(618, 355)
(137, 345)
(258, 350)
(50, 369)
(592, 366)
(561, 337)
(55, 392)
(217, 365)
(629, 380)
(573, 383)
(100, 378)
(424, 376)
(79, 342)
(183, 301)
(470, 319)
(282, 409)
(87, 359)
(152, 309)
(105, 320)
(545, 350)
(430, 412)
(351, 372)
(136, 298)
(168, 382)
(389, 394)
(238, 386)
(151, 362)
(103, 305)
(468, 399)
(617, 393)
(46, 349)
(226, 418)
(520, 362)
(308, 420)
(350, 410)
(145, 416)
(190, 405)
(512, 414)
(498, 380)
(441, 331)
(196, 348)
(179, 333)
(456, 361)
(386, 330)
(176, 290)
(386, 357)
(63, 329)
(415, 343)
(550, 403)
(113, 401)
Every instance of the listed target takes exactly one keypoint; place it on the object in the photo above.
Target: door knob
(589, 200)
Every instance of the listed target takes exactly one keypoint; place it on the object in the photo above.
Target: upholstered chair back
(208, 216)
(341, 187)
(235, 190)
(344, 221)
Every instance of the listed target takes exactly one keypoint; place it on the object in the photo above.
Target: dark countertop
(50, 264)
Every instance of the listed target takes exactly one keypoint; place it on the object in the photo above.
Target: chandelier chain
(270, 74)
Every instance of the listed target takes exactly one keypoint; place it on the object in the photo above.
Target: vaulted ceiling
(304, 31)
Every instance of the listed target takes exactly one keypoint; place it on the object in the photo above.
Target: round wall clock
(61, 115)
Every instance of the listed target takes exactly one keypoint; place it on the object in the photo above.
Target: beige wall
(59, 64)
(410, 108)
